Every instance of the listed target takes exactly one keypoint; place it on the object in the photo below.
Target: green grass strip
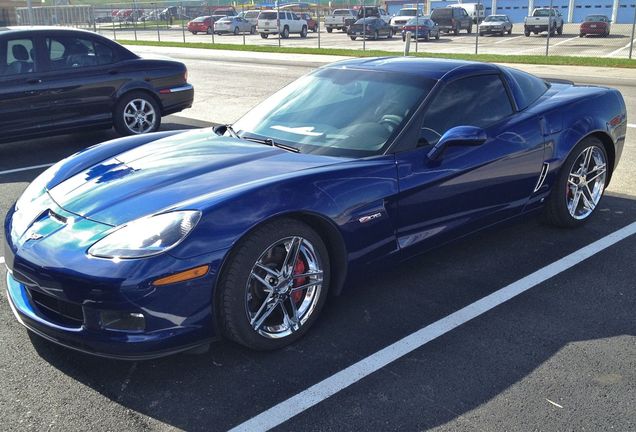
(494, 58)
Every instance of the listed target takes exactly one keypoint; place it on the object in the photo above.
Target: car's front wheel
(136, 113)
(274, 285)
(580, 185)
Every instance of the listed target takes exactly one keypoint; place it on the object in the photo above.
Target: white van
(474, 10)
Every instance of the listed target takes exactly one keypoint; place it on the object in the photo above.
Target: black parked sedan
(370, 27)
(55, 80)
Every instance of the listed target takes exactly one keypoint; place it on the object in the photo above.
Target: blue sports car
(149, 245)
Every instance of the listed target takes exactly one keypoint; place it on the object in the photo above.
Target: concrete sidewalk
(584, 74)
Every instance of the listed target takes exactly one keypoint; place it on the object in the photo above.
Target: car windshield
(200, 19)
(495, 18)
(337, 112)
(342, 12)
(226, 20)
(252, 14)
(407, 12)
(415, 21)
(543, 12)
(596, 18)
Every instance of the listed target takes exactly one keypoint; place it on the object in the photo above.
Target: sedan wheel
(236, 31)
(580, 186)
(137, 113)
(209, 30)
(274, 285)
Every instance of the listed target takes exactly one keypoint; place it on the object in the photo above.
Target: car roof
(424, 67)
(41, 29)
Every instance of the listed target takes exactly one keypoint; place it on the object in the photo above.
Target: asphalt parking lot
(561, 356)
(569, 43)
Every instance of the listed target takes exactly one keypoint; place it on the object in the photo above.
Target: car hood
(161, 174)
(491, 23)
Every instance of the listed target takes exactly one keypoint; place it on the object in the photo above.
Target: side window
(17, 56)
(295, 17)
(72, 52)
(475, 101)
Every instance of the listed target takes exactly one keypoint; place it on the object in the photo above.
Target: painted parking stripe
(613, 53)
(26, 168)
(1, 260)
(508, 39)
(631, 125)
(315, 394)
(564, 41)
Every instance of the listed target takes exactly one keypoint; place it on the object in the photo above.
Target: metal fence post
(417, 27)
(318, 22)
(112, 19)
(134, 16)
(631, 43)
(477, 32)
(243, 9)
(182, 24)
(157, 22)
(364, 25)
(547, 41)
(278, 19)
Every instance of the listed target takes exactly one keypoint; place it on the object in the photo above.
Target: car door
(82, 77)
(468, 187)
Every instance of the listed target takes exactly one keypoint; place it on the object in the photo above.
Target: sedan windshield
(596, 18)
(337, 112)
(495, 18)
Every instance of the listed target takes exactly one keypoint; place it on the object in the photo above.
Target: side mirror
(458, 136)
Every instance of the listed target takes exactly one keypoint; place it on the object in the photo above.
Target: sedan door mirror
(458, 136)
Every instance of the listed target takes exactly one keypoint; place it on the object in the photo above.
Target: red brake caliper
(299, 268)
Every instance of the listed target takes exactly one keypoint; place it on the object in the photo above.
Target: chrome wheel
(139, 116)
(283, 287)
(586, 182)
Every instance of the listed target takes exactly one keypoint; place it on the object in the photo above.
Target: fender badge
(369, 218)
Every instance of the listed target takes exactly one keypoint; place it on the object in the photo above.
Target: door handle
(34, 81)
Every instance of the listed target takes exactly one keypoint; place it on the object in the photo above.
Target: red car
(201, 24)
(312, 24)
(595, 25)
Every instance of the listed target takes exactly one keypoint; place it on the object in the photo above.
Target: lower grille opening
(59, 311)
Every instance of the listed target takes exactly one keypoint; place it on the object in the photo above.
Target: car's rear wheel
(194, 32)
(236, 31)
(580, 185)
(264, 35)
(209, 30)
(285, 33)
(274, 285)
(137, 113)
(303, 32)
(329, 29)
(437, 36)
(353, 37)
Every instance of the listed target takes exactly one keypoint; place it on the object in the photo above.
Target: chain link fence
(577, 27)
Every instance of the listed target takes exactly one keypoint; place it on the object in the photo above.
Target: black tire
(481, 34)
(194, 33)
(427, 37)
(376, 35)
(470, 29)
(253, 30)
(285, 33)
(303, 32)
(581, 34)
(510, 31)
(527, 33)
(403, 38)
(118, 112)
(236, 31)
(264, 35)
(503, 33)
(329, 29)
(437, 36)
(209, 30)
(233, 283)
(560, 30)
(456, 31)
(556, 211)
(353, 37)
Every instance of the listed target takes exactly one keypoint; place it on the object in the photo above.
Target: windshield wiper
(221, 129)
(271, 142)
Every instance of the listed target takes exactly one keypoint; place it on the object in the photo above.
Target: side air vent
(542, 176)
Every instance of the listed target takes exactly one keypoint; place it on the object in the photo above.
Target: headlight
(147, 236)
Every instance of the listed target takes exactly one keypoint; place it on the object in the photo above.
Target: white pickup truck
(543, 20)
(340, 19)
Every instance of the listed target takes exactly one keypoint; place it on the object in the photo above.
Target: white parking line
(508, 39)
(26, 168)
(564, 41)
(315, 394)
(619, 50)
(631, 125)
(1, 260)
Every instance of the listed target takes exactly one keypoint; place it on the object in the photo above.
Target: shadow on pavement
(457, 374)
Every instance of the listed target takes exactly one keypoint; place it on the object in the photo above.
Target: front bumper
(267, 30)
(593, 30)
(64, 296)
(490, 30)
(536, 28)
